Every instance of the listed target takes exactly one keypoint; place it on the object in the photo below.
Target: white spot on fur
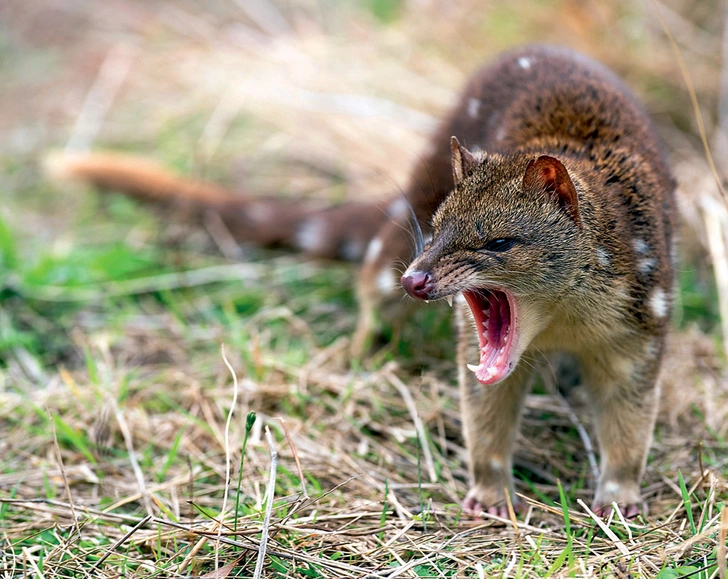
(311, 235)
(524, 63)
(611, 487)
(385, 280)
(473, 107)
(603, 257)
(373, 250)
(646, 265)
(658, 302)
(501, 134)
(640, 246)
(398, 209)
(651, 349)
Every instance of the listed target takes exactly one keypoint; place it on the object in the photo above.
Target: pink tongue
(495, 321)
(492, 316)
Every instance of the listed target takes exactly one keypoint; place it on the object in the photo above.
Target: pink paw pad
(629, 511)
(474, 508)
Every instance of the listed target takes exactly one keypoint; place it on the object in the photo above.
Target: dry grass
(114, 399)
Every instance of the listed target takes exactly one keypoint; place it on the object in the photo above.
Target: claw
(474, 508)
(629, 511)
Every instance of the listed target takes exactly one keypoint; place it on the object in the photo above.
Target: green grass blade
(171, 455)
(249, 422)
(567, 524)
(8, 250)
(74, 438)
(686, 501)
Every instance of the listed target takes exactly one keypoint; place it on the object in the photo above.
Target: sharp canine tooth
(473, 367)
(449, 300)
(427, 301)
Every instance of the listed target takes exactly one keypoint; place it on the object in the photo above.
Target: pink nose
(418, 284)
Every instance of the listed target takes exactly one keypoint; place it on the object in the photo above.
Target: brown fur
(571, 170)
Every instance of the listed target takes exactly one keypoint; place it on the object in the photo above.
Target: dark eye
(503, 244)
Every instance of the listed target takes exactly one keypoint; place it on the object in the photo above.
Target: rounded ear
(463, 161)
(548, 175)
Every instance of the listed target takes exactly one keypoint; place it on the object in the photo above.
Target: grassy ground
(119, 451)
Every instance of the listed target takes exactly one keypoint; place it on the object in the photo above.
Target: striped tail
(336, 232)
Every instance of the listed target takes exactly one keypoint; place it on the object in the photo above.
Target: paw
(625, 494)
(629, 510)
(480, 500)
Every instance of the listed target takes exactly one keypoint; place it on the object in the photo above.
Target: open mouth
(495, 322)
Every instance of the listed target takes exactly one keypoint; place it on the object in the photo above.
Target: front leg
(624, 394)
(491, 415)
(378, 286)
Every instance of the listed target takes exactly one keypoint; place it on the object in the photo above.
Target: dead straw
(419, 427)
(67, 486)
(270, 492)
(607, 531)
(138, 474)
(722, 538)
(226, 491)
(292, 446)
(123, 539)
(716, 228)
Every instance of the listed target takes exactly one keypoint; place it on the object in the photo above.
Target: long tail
(337, 232)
